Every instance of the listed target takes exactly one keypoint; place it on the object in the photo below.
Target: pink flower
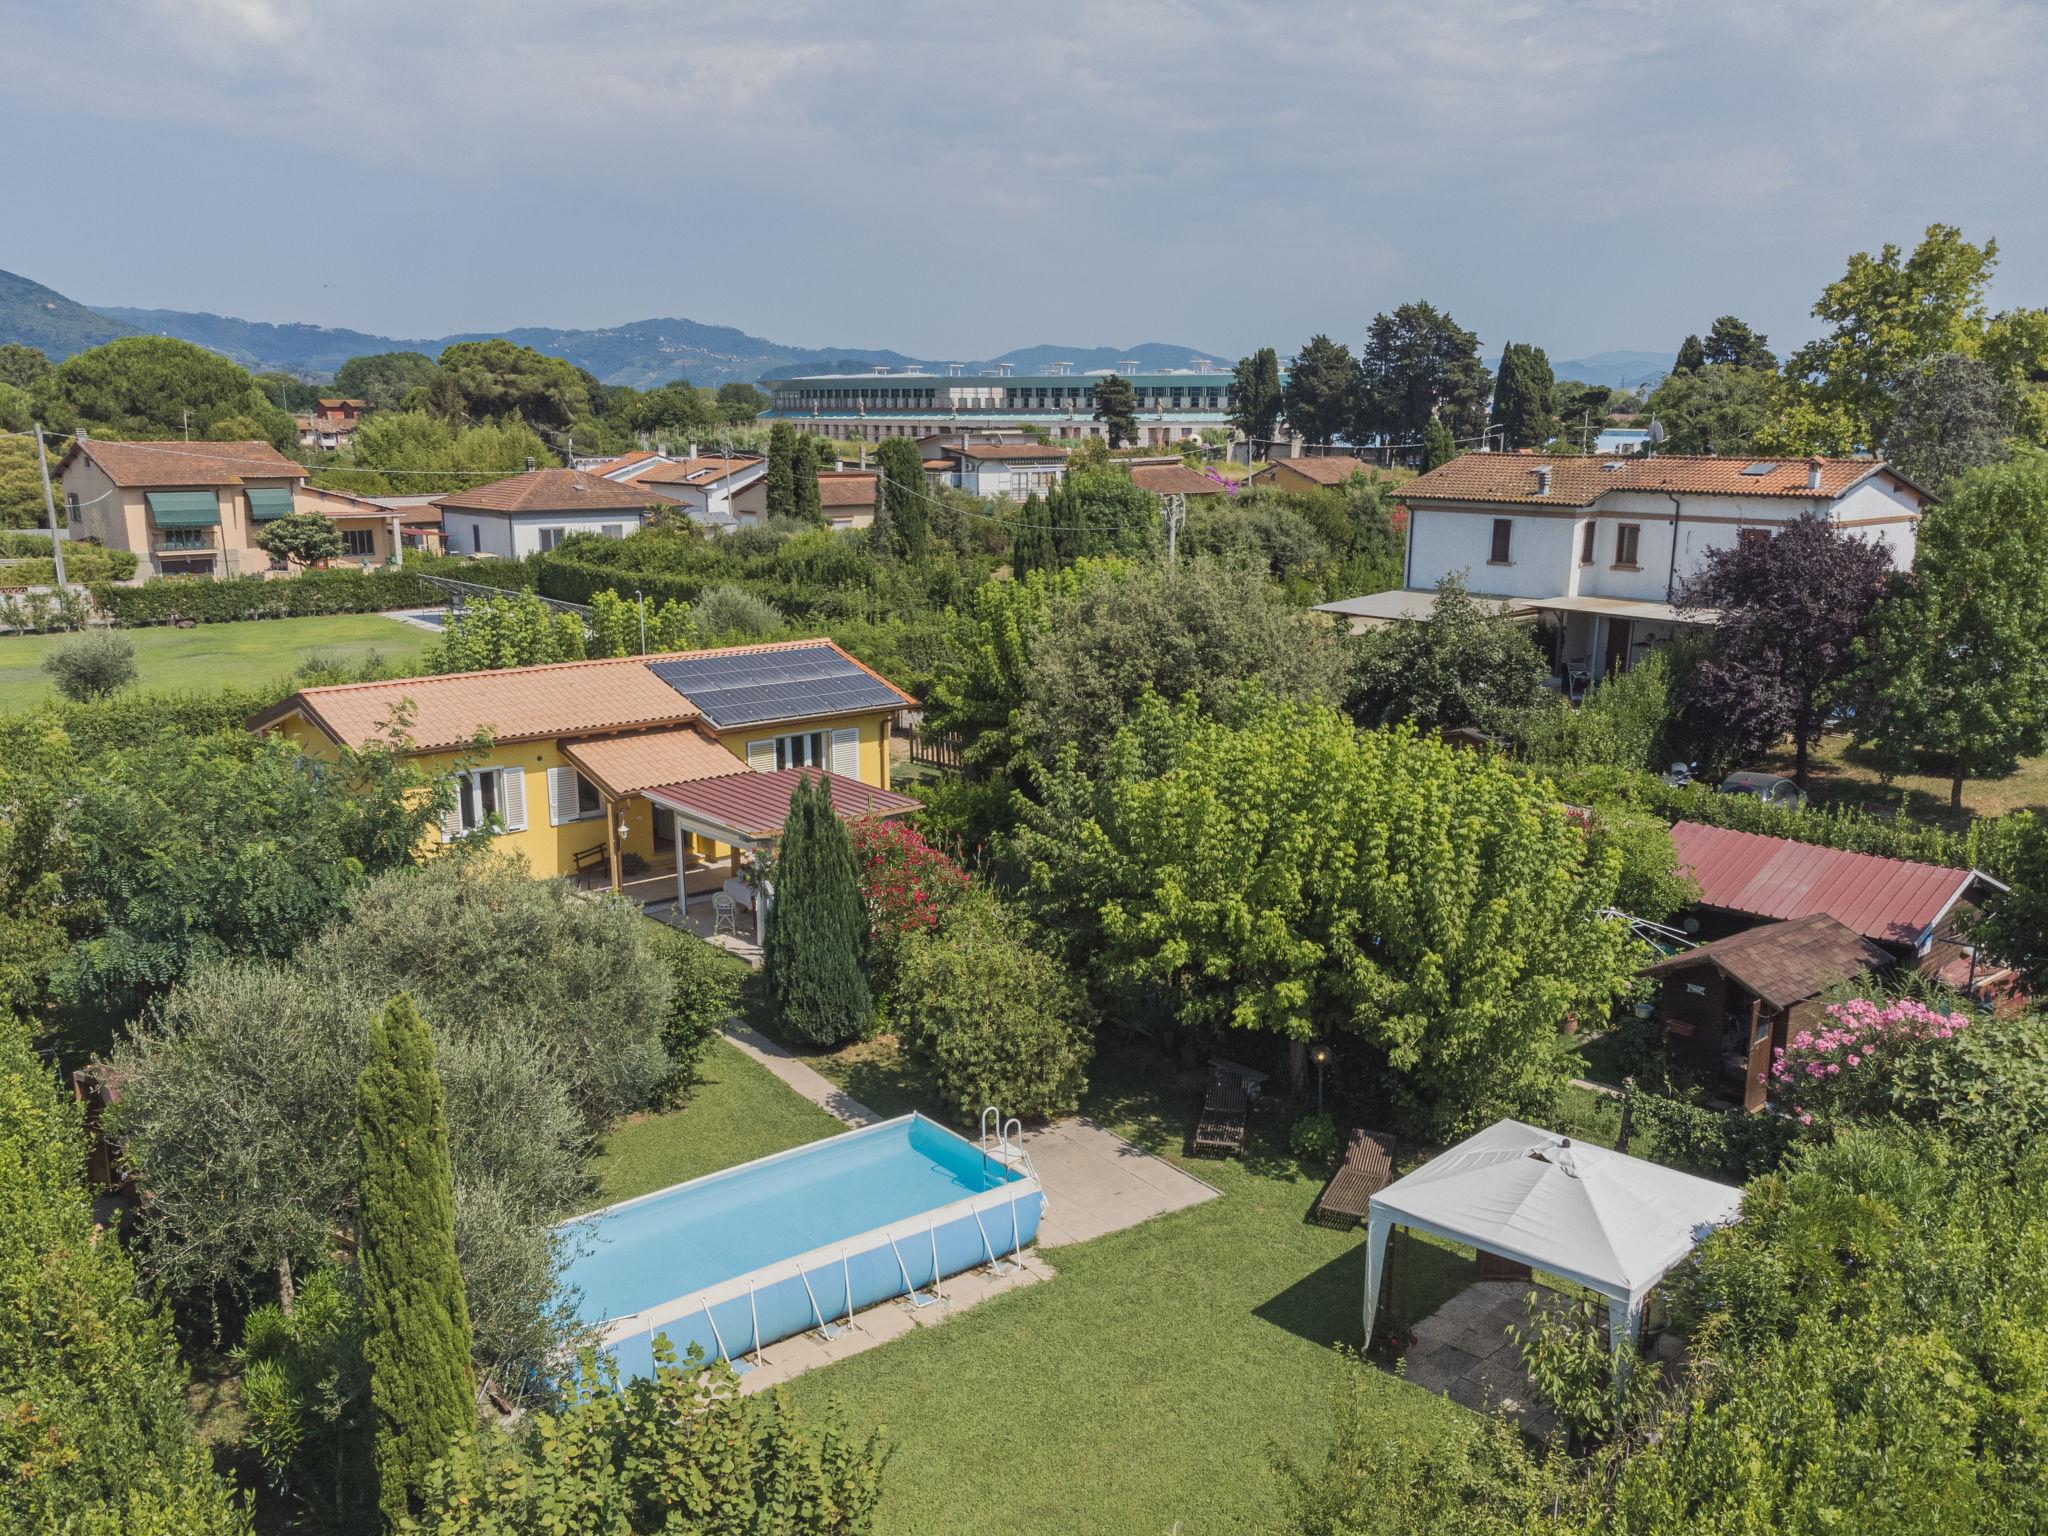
(1806, 1119)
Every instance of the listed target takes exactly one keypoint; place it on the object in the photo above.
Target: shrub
(170, 599)
(305, 1392)
(906, 885)
(1846, 1068)
(811, 958)
(119, 721)
(1621, 722)
(92, 665)
(730, 612)
(704, 995)
(42, 613)
(1571, 1369)
(1313, 1139)
(82, 563)
(996, 1021)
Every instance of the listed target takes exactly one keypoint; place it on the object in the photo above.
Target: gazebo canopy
(1615, 1224)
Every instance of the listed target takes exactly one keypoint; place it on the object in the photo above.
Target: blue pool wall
(783, 1308)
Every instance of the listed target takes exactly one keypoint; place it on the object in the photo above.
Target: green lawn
(211, 656)
(1839, 775)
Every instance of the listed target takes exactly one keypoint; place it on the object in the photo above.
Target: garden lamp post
(1320, 1055)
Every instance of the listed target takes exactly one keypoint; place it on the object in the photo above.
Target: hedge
(1732, 1145)
(82, 562)
(169, 599)
(129, 717)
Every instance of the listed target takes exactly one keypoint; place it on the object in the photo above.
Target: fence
(936, 749)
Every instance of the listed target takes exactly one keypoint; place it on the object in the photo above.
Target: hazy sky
(956, 179)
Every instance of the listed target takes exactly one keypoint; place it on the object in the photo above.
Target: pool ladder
(1004, 1141)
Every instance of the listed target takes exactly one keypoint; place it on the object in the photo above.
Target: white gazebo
(1615, 1224)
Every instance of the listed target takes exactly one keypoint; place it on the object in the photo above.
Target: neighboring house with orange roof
(1318, 472)
(185, 509)
(1602, 546)
(848, 496)
(613, 764)
(1176, 480)
(535, 511)
(331, 424)
(717, 490)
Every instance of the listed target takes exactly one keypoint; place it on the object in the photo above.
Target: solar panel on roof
(744, 688)
(1760, 469)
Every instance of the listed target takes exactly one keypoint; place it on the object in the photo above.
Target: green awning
(183, 509)
(269, 502)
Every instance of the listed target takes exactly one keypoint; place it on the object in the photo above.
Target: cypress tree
(804, 464)
(908, 499)
(1438, 446)
(416, 1318)
(1032, 549)
(780, 479)
(811, 957)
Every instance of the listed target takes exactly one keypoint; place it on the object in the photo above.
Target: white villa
(1601, 545)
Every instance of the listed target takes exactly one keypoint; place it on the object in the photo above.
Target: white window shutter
(512, 798)
(561, 796)
(451, 819)
(846, 752)
(761, 755)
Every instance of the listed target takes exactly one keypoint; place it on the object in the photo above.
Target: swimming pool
(801, 1239)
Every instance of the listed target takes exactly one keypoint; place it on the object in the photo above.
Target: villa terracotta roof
(625, 765)
(755, 805)
(546, 490)
(1893, 901)
(1175, 480)
(609, 467)
(1324, 469)
(1578, 480)
(852, 489)
(1788, 962)
(698, 471)
(179, 463)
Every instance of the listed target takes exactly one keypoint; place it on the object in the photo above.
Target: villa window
(1628, 538)
(484, 793)
(550, 537)
(1503, 533)
(361, 543)
(1586, 545)
(572, 797)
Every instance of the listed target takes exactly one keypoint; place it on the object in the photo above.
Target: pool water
(679, 1241)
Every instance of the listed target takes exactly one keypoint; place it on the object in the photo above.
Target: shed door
(1756, 1081)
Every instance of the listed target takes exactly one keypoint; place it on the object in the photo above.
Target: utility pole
(642, 603)
(50, 506)
(187, 413)
(1173, 509)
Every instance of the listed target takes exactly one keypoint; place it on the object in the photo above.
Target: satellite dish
(1656, 433)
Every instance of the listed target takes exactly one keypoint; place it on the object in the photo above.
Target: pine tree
(816, 928)
(1524, 396)
(804, 464)
(1692, 356)
(909, 502)
(1032, 547)
(416, 1334)
(780, 478)
(1116, 407)
(1438, 446)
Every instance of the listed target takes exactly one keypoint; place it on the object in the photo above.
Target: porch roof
(1411, 603)
(748, 807)
(625, 765)
(1624, 608)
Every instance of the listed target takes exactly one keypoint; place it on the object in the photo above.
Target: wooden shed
(1727, 1005)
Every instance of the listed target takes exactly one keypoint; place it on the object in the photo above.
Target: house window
(183, 538)
(1503, 531)
(804, 750)
(476, 538)
(479, 795)
(1628, 538)
(613, 530)
(550, 537)
(1752, 538)
(359, 542)
(1586, 545)
(71, 508)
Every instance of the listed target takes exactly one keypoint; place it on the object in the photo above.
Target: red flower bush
(905, 883)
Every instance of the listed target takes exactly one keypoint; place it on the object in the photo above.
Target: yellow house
(681, 761)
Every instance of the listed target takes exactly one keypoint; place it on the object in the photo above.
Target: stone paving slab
(806, 1080)
(1463, 1351)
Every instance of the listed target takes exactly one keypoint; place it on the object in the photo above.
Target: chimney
(529, 463)
(1542, 479)
(692, 454)
(1814, 466)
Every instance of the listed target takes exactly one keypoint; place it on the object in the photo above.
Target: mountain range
(642, 353)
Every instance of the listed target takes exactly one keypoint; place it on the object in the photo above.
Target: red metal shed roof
(1891, 900)
(756, 804)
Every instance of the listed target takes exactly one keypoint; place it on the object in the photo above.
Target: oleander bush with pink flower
(1850, 1066)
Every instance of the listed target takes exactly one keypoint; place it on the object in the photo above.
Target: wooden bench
(593, 857)
(1367, 1168)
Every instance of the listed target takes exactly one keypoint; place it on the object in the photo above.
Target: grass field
(219, 655)
(1838, 775)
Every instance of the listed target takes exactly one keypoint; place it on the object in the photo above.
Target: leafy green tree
(17, 410)
(1732, 344)
(155, 387)
(305, 1392)
(903, 500)
(22, 366)
(286, 392)
(1255, 395)
(803, 472)
(780, 477)
(302, 539)
(2016, 345)
(1692, 356)
(1524, 397)
(1418, 364)
(816, 927)
(514, 631)
(382, 380)
(1717, 408)
(996, 1021)
(2016, 927)
(415, 1318)
(677, 1451)
(391, 449)
(499, 378)
(95, 1435)
(732, 613)
(1116, 407)
(1955, 414)
(740, 403)
(91, 665)
(1789, 609)
(1465, 665)
(1438, 446)
(1321, 394)
(1098, 511)
(1887, 315)
(1291, 874)
(1956, 666)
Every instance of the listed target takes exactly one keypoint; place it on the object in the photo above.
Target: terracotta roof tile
(1324, 469)
(1578, 480)
(997, 451)
(851, 489)
(701, 470)
(1175, 480)
(146, 464)
(546, 490)
(625, 765)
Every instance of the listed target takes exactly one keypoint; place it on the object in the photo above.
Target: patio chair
(725, 914)
(1367, 1167)
(1221, 1128)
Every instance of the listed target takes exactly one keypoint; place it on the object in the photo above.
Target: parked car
(1771, 788)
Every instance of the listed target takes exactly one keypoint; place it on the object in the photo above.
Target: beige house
(185, 509)
(848, 497)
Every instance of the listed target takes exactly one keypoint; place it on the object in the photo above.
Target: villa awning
(747, 807)
(1414, 603)
(1634, 609)
(626, 765)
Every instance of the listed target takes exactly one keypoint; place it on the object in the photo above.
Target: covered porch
(1599, 637)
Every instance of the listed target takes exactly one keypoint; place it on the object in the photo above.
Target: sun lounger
(1368, 1165)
